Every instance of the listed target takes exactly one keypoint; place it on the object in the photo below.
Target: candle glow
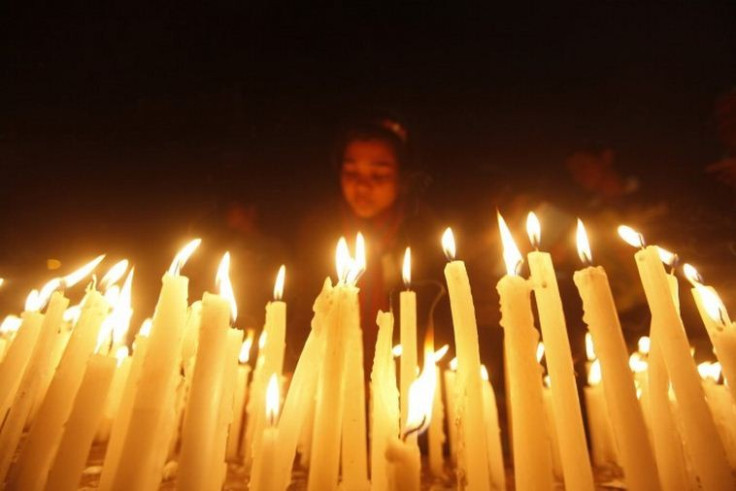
(225, 286)
(589, 348)
(406, 268)
(421, 393)
(511, 255)
(183, 256)
(583, 244)
(631, 236)
(245, 348)
(440, 353)
(114, 274)
(533, 229)
(278, 287)
(272, 400)
(448, 244)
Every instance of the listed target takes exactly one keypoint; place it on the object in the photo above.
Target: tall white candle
(241, 395)
(263, 477)
(354, 438)
(408, 335)
(436, 432)
(493, 433)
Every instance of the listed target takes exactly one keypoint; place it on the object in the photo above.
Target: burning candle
(721, 406)
(264, 479)
(618, 392)
(568, 418)
(115, 394)
(241, 395)
(436, 434)
(200, 420)
(473, 465)
(450, 375)
(532, 460)
(493, 432)
(603, 442)
(668, 334)
(408, 336)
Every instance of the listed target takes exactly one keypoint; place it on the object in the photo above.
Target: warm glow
(123, 310)
(406, 268)
(360, 255)
(342, 260)
(146, 326)
(667, 257)
(183, 256)
(244, 355)
(547, 381)
(644, 345)
(692, 274)
(262, 340)
(589, 349)
(121, 354)
(71, 315)
(533, 229)
(511, 255)
(453, 364)
(349, 269)
(2, 280)
(594, 375)
(272, 399)
(540, 351)
(114, 274)
(46, 290)
(440, 353)
(421, 393)
(448, 244)
(397, 350)
(75, 277)
(484, 373)
(713, 305)
(710, 371)
(631, 236)
(637, 363)
(11, 323)
(226, 287)
(581, 237)
(278, 287)
(33, 303)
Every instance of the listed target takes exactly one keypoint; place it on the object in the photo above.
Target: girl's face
(369, 177)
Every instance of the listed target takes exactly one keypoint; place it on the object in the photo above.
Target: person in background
(379, 196)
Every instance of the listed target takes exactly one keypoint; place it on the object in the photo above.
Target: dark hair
(385, 129)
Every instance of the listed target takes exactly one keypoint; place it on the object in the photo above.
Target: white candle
(603, 442)
(241, 395)
(354, 439)
(264, 478)
(450, 400)
(408, 336)
(436, 433)
(568, 417)
(493, 433)
(721, 406)
(532, 460)
(115, 394)
(474, 464)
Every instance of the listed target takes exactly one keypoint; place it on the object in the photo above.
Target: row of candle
(182, 393)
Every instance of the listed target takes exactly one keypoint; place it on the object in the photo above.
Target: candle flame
(2, 280)
(76, 276)
(631, 236)
(453, 364)
(540, 351)
(146, 326)
(10, 324)
(637, 363)
(406, 268)
(183, 256)
(547, 381)
(667, 257)
(272, 399)
(397, 350)
(440, 353)
(511, 255)
(114, 274)
(533, 229)
(713, 305)
(448, 244)
(71, 315)
(226, 287)
(244, 355)
(710, 371)
(278, 287)
(342, 260)
(581, 237)
(594, 375)
(32, 302)
(644, 345)
(121, 354)
(692, 275)
(262, 340)
(421, 393)
(123, 310)
(349, 269)
(589, 348)
(360, 255)
(46, 291)
(484, 373)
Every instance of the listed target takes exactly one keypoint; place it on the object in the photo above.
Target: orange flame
(406, 268)
(583, 244)
(594, 375)
(76, 276)
(440, 353)
(589, 348)
(540, 351)
(11, 323)
(533, 229)
(644, 345)
(278, 287)
(244, 355)
(421, 393)
(146, 326)
(511, 255)
(272, 399)
(226, 287)
(713, 305)
(448, 244)
(692, 275)
(631, 236)
(183, 256)
(114, 274)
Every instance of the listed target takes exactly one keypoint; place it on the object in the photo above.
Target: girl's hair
(382, 128)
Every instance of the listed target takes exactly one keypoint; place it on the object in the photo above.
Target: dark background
(121, 131)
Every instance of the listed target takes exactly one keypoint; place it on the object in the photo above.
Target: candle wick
(415, 429)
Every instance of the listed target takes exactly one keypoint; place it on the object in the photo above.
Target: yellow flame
(630, 236)
(713, 305)
(533, 229)
(666, 256)
(637, 363)
(226, 287)
(121, 354)
(123, 310)
(350, 268)
(540, 351)
(46, 291)
(2, 280)
(397, 350)
(692, 274)
(72, 314)
(421, 393)
(183, 256)
(360, 255)
(644, 345)
(594, 375)
(342, 260)
(453, 364)
(146, 326)
(581, 237)
(710, 371)
(547, 381)
(406, 268)
(448, 244)
(114, 274)
(278, 287)
(272, 399)
(484, 373)
(11, 323)
(244, 355)
(589, 348)
(76, 276)
(440, 353)
(511, 255)
(33, 303)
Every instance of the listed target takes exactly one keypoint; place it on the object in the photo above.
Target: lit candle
(493, 433)
(668, 335)
(436, 434)
(568, 417)
(553, 440)
(721, 330)
(385, 414)
(79, 430)
(626, 417)
(721, 406)
(342, 319)
(264, 478)
(602, 440)
(202, 413)
(115, 394)
(473, 465)
(532, 460)
(241, 395)
(450, 376)
(143, 452)
(408, 336)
